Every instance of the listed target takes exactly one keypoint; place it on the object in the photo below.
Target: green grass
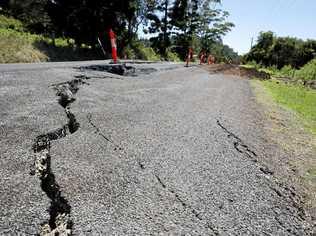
(17, 45)
(297, 98)
(305, 73)
(11, 23)
(137, 50)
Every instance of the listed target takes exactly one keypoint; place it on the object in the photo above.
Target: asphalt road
(173, 151)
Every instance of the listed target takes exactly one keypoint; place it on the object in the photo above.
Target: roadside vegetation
(283, 57)
(291, 64)
(296, 97)
(33, 30)
(17, 44)
(305, 75)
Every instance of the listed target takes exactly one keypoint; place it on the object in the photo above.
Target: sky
(295, 18)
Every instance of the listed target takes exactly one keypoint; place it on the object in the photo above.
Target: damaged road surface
(137, 150)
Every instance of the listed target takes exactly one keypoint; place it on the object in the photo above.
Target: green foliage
(223, 53)
(307, 72)
(297, 98)
(287, 71)
(11, 23)
(32, 13)
(281, 51)
(147, 53)
(184, 24)
(129, 53)
(171, 56)
(137, 50)
(18, 46)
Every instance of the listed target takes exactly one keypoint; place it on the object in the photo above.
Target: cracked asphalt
(174, 151)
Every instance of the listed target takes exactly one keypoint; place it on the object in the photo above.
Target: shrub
(17, 47)
(287, 71)
(129, 53)
(254, 64)
(11, 23)
(147, 53)
(172, 56)
(137, 50)
(307, 72)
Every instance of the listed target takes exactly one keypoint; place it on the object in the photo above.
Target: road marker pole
(189, 56)
(113, 45)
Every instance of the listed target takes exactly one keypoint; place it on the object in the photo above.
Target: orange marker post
(189, 56)
(113, 45)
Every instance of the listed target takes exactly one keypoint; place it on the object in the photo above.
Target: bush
(172, 56)
(253, 64)
(129, 53)
(307, 72)
(11, 23)
(287, 71)
(17, 47)
(147, 53)
(137, 50)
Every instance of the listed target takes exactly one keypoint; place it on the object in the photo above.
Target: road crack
(101, 134)
(185, 205)
(242, 148)
(288, 194)
(117, 147)
(60, 222)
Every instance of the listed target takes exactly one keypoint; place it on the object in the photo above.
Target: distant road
(173, 151)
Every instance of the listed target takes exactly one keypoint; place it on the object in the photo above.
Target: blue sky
(295, 18)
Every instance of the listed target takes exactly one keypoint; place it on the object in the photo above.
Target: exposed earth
(143, 149)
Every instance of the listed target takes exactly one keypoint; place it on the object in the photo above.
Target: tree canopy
(175, 24)
(271, 50)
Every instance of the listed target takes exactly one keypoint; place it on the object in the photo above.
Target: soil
(230, 69)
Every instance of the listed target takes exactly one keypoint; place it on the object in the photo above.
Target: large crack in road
(60, 222)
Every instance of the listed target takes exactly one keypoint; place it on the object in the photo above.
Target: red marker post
(113, 44)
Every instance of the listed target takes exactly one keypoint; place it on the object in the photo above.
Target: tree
(86, 20)
(212, 24)
(159, 22)
(271, 50)
(198, 22)
(261, 52)
(32, 12)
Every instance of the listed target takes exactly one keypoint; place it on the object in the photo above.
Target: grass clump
(18, 46)
(307, 72)
(137, 50)
(297, 98)
(11, 23)
(172, 56)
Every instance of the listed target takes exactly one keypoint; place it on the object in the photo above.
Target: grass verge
(290, 112)
(18, 45)
(297, 98)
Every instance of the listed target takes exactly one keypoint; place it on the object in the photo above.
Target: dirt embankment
(250, 73)
(230, 69)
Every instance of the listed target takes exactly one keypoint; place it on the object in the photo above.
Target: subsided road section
(174, 151)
